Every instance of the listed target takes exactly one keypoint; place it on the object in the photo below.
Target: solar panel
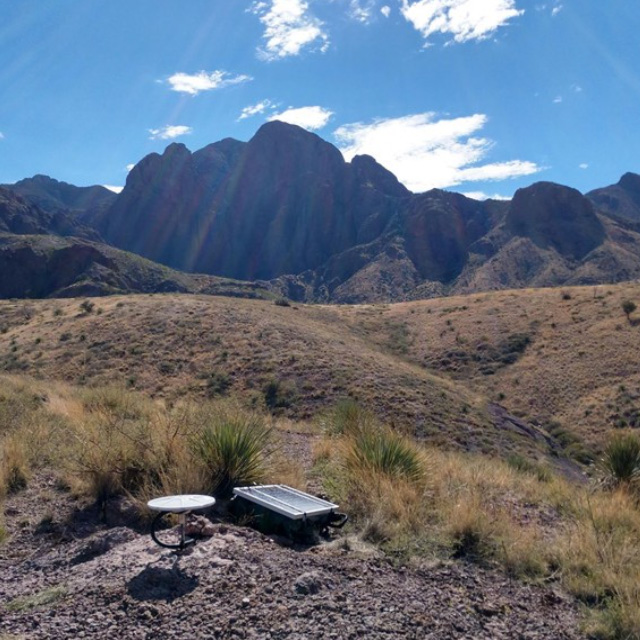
(286, 501)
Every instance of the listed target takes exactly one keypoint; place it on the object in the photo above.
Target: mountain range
(288, 213)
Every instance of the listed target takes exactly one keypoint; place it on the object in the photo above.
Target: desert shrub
(233, 448)
(86, 306)
(384, 452)
(621, 461)
(278, 394)
(282, 302)
(524, 465)
(628, 307)
(218, 382)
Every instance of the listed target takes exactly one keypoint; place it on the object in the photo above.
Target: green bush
(621, 460)
(233, 449)
(385, 452)
(278, 394)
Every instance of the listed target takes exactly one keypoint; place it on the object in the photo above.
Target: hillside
(507, 396)
(51, 266)
(561, 360)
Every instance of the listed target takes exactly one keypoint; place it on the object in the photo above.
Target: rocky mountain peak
(630, 182)
(555, 216)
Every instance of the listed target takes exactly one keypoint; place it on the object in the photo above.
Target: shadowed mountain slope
(285, 207)
(53, 196)
(621, 200)
(43, 266)
(20, 215)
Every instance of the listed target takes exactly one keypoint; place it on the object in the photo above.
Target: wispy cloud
(194, 84)
(362, 10)
(557, 100)
(463, 19)
(1, 135)
(425, 152)
(385, 11)
(311, 118)
(255, 109)
(113, 188)
(583, 165)
(130, 166)
(169, 132)
(289, 28)
(556, 10)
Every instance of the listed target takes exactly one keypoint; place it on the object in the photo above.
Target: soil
(67, 575)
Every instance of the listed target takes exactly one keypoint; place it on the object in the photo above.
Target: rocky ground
(66, 576)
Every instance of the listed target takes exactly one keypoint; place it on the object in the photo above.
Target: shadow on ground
(155, 583)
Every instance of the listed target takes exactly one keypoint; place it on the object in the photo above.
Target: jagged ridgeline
(286, 210)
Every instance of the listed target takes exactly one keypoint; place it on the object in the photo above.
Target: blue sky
(475, 96)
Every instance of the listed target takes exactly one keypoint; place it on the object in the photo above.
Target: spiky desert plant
(621, 460)
(233, 449)
(384, 452)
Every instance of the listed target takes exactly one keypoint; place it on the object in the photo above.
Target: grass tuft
(621, 460)
(384, 452)
(233, 448)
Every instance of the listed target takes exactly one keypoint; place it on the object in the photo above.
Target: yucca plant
(233, 449)
(382, 451)
(621, 460)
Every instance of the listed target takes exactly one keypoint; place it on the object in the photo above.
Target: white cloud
(385, 11)
(481, 195)
(130, 166)
(583, 165)
(362, 10)
(463, 19)
(557, 100)
(1, 135)
(556, 10)
(113, 188)
(255, 109)
(289, 27)
(203, 81)
(169, 132)
(311, 118)
(424, 152)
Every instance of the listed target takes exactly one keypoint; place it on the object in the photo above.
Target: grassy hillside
(563, 361)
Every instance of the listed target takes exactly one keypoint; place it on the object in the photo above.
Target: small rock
(308, 583)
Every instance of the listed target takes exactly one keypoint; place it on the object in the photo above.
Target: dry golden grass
(580, 368)
(110, 440)
(173, 346)
(428, 365)
(480, 508)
